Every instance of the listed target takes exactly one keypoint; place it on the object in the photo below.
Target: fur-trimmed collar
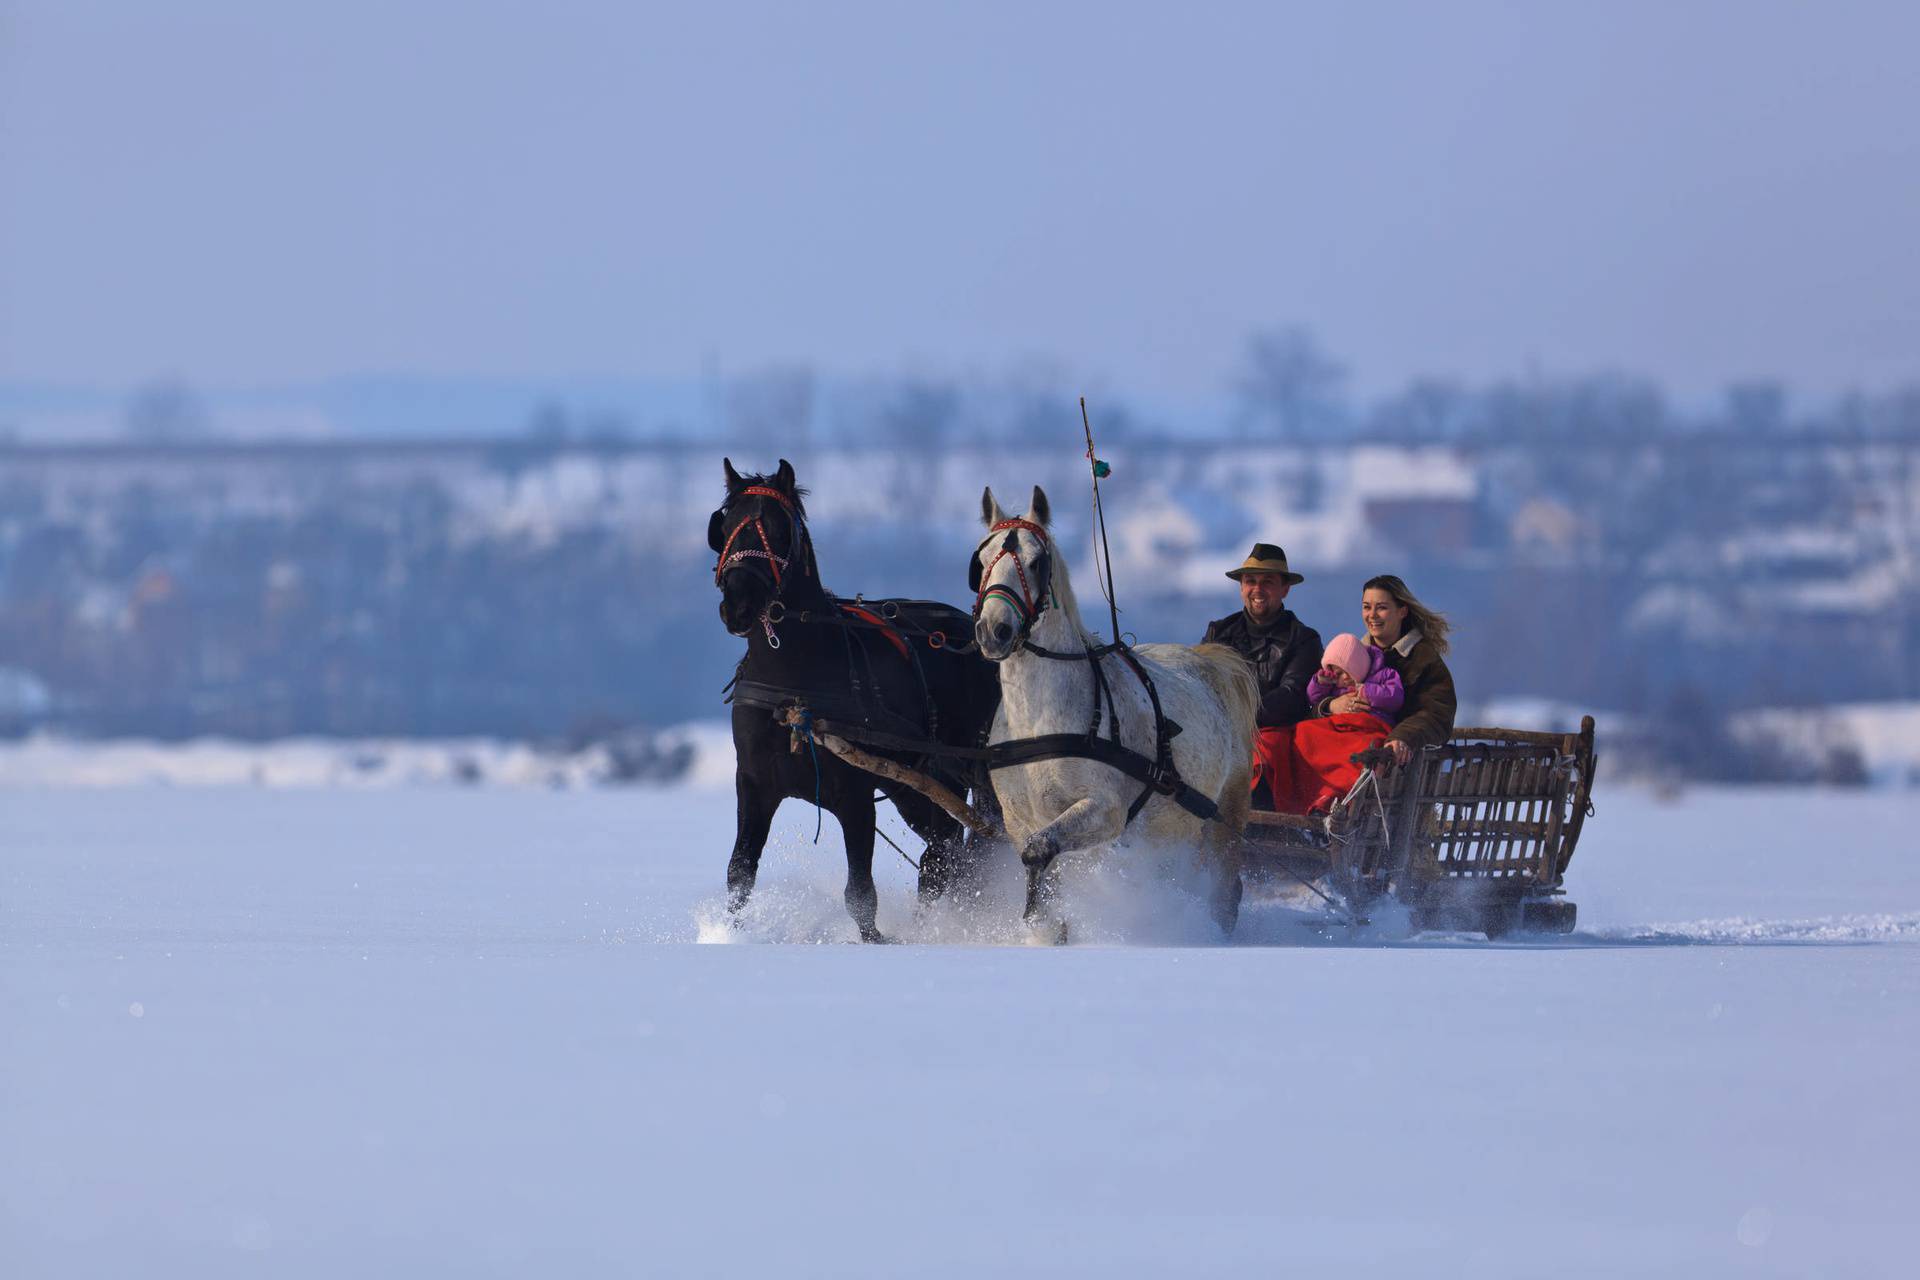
(1404, 645)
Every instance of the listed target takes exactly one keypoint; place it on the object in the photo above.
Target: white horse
(1025, 611)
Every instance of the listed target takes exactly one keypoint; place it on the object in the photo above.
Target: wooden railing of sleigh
(1472, 835)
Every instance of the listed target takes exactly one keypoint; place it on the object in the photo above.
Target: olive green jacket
(1426, 720)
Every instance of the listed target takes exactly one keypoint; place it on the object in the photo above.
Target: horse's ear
(716, 529)
(733, 477)
(990, 513)
(1042, 514)
(783, 478)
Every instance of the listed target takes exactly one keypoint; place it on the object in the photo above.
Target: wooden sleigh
(1471, 836)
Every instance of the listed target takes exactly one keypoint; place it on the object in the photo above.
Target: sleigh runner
(1475, 835)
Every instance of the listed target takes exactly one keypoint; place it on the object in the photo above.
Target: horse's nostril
(1002, 632)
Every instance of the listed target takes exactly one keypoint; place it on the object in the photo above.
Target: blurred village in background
(1732, 587)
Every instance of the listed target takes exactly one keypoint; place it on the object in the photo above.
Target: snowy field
(434, 1031)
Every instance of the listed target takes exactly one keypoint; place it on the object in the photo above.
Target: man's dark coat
(1284, 654)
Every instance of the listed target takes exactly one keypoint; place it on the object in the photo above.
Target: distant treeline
(1285, 387)
(1591, 548)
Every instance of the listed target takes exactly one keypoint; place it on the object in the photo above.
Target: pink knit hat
(1348, 652)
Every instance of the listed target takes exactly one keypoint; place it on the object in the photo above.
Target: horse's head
(1011, 575)
(760, 536)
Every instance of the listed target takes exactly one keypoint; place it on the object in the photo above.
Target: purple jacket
(1382, 687)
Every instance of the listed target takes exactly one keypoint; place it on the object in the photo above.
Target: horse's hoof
(1041, 933)
(870, 934)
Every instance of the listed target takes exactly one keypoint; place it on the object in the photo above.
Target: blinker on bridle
(1029, 604)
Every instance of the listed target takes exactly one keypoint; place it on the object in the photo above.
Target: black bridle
(781, 569)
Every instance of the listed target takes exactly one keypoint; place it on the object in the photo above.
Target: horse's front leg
(942, 834)
(855, 815)
(752, 819)
(1086, 822)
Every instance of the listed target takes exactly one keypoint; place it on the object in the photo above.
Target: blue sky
(243, 193)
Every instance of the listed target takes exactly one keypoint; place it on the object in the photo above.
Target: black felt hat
(1266, 558)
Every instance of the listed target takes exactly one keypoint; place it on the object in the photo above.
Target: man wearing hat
(1284, 651)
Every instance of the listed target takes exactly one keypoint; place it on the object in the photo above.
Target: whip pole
(1100, 469)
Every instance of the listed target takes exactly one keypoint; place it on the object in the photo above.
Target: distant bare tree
(772, 409)
(921, 415)
(1429, 409)
(1289, 385)
(165, 412)
(1757, 408)
(550, 424)
(1611, 404)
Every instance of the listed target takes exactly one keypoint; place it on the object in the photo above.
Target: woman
(1412, 640)
(1312, 766)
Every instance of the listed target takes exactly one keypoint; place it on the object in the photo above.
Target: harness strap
(1102, 691)
(1053, 746)
(846, 615)
(1008, 755)
(1091, 651)
(889, 632)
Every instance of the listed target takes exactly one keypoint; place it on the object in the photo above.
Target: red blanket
(1306, 766)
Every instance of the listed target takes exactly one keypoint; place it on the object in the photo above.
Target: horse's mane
(1063, 596)
(800, 492)
(1063, 590)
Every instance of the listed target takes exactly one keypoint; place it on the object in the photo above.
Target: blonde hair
(1433, 626)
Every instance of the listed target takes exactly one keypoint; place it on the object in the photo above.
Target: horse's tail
(1230, 674)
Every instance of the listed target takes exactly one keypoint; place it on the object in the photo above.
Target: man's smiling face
(1262, 594)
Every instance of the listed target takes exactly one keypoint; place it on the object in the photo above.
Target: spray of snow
(1126, 896)
(1746, 931)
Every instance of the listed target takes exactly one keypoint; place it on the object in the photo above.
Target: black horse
(907, 669)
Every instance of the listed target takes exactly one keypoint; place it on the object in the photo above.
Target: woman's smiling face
(1384, 617)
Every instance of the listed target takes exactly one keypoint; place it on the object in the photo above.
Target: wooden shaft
(963, 813)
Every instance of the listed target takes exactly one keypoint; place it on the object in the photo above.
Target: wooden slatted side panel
(1492, 804)
(1499, 810)
(1499, 823)
(1462, 778)
(1538, 771)
(1582, 797)
(1451, 846)
(1410, 818)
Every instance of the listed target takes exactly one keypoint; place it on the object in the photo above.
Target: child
(1349, 664)
(1313, 767)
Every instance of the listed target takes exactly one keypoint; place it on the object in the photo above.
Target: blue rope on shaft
(806, 726)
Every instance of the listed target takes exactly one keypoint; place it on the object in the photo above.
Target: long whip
(1100, 469)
